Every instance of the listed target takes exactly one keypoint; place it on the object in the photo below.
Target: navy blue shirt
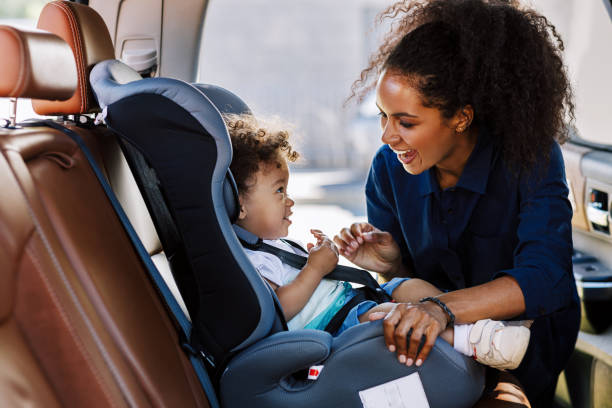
(491, 223)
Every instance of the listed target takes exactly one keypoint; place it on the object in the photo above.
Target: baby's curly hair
(503, 60)
(256, 142)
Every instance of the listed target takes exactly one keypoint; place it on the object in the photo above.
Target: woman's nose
(388, 136)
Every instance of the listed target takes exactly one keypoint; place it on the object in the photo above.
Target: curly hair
(256, 143)
(503, 60)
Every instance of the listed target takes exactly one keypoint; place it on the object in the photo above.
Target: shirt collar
(475, 173)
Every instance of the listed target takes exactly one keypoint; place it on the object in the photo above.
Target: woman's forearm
(500, 299)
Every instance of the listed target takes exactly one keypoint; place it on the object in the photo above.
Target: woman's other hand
(424, 319)
(370, 248)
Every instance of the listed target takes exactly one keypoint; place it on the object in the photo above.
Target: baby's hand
(323, 257)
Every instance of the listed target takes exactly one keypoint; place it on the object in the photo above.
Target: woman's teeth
(406, 156)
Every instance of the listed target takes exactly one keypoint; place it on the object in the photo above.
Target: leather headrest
(85, 32)
(35, 64)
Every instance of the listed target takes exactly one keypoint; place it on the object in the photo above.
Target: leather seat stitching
(76, 50)
(106, 357)
(20, 84)
(77, 339)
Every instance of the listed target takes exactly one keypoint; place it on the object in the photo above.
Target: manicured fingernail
(409, 362)
(391, 348)
(419, 362)
(354, 244)
(402, 358)
(360, 240)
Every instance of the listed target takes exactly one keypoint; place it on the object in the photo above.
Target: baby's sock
(461, 341)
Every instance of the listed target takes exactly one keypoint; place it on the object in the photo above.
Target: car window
(24, 14)
(297, 60)
(586, 29)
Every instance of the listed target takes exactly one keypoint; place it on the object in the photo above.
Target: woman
(468, 192)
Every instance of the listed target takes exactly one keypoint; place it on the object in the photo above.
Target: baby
(259, 166)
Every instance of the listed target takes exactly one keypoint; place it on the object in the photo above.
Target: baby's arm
(322, 259)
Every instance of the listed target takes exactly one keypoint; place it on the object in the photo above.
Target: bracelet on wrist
(451, 316)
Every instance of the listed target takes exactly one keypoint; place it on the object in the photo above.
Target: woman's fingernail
(409, 362)
(360, 240)
(354, 244)
(402, 358)
(419, 362)
(391, 348)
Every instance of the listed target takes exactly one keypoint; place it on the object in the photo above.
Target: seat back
(183, 138)
(80, 322)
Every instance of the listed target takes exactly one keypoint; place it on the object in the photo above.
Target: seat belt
(340, 272)
(371, 290)
(154, 274)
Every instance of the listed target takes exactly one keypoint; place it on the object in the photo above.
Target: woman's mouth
(406, 156)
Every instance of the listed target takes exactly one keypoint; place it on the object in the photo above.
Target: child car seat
(237, 325)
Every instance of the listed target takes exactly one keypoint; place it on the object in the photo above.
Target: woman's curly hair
(503, 60)
(256, 143)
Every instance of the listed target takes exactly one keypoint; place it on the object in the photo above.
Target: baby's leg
(498, 344)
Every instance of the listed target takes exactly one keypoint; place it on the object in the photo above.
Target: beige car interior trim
(158, 24)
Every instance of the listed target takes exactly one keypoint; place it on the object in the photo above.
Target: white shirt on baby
(327, 299)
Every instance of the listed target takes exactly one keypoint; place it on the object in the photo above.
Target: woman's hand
(425, 319)
(370, 248)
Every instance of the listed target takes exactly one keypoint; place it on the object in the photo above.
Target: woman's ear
(463, 118)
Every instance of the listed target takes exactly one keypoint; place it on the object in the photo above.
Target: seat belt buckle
(209, 359)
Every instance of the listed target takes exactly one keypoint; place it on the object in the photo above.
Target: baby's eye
(281, 190)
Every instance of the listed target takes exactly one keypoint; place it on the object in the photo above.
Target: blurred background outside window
(297, 60)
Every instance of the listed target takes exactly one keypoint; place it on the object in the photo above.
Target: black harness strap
(340, 272)
(371, 290)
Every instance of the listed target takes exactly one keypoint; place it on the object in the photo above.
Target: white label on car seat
(314, 371)
(405, 392)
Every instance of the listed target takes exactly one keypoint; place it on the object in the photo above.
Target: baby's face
(267, 207)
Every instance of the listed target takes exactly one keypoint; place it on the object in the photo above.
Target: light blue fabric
(352, 319)
(322, 320)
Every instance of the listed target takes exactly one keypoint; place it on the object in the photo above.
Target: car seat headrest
(224, 100)
(35, 64)
(227, 102)
(85, 32)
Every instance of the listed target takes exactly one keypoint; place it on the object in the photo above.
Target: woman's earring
(459, 129)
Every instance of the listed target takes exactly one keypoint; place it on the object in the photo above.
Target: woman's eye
(406, 125)
(382, 114)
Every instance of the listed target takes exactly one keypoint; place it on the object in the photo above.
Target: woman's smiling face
(420, 136)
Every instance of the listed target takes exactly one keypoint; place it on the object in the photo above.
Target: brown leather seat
(80, 323)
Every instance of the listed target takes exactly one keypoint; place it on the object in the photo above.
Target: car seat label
(314, 372)
(405, 392)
